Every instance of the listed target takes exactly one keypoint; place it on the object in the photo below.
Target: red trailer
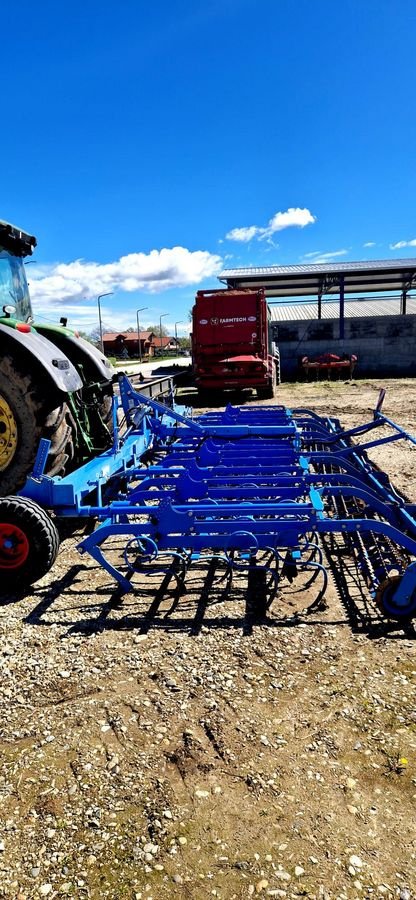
(231, 342)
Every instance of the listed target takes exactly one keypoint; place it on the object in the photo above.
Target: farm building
(164, 345)
(125, 344)
(363, 308)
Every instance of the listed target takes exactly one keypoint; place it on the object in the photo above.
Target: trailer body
(231, 342)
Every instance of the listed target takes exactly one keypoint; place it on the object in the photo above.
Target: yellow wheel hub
(8, 434)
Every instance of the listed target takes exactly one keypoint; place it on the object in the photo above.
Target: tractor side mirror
(9, 310)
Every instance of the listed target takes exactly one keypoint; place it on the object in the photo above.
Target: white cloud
(369, 244)
(242, 234)
(152, 272)
(294, 216)
(401, 244)
(318, 257)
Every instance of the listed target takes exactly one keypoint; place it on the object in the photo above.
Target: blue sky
(130, 131)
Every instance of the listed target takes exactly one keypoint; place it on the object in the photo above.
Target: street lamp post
(138, 330)
(176, 333)
(160, 329)
(107, 294)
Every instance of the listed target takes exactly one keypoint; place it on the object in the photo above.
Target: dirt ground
(157, 747)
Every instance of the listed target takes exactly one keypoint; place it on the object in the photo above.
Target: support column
(403, 302)
(320, 305)
(341, 307)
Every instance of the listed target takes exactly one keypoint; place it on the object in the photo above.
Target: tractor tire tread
(36, 417)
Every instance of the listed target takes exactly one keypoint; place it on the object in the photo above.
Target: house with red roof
(125, 344)
(164, 344)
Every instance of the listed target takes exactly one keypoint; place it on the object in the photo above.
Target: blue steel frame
(237, 483)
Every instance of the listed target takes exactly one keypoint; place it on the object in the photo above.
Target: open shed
(321, 280)
(366, 308)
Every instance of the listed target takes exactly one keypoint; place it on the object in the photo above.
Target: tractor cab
(52, 383)
(14, 293)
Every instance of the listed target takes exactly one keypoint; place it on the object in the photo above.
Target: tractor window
(13, 286)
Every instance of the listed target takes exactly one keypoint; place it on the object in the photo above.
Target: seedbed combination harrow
(252, 488)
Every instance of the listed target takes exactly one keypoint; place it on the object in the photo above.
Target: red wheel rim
(14, 546)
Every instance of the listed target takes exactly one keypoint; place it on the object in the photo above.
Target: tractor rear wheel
(29, 411)
(105, 409)
(29, 543)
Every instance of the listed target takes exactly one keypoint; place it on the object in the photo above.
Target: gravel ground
(160, 747)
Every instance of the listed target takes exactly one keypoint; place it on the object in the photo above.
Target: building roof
(306, 280)
(292, 312)
(162, 342)
(127, 335)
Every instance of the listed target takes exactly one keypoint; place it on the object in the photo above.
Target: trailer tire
(205, 396)
(268, 392)
(278, 369)
(29, 411)
(29, 543)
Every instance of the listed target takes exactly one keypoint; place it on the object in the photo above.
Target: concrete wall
(385, 345)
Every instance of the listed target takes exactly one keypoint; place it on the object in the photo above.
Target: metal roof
(364, 276)
(292, 312)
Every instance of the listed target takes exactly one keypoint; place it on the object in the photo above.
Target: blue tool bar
(230, 431)
(185, 485)
(68, 492)
(250, 413)
(385, 421)
(287, 537)
(131, 398)
(216, 534)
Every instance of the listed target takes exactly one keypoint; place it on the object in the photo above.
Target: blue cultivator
(253, 488)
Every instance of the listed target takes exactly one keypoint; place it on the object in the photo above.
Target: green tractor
(53, 383)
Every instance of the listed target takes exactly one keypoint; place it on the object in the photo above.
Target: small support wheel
(385, 600)
(29, 543)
